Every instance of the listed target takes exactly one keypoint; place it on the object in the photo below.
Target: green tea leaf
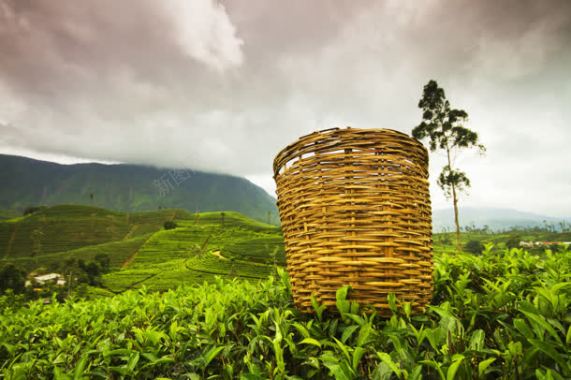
(311, 341)
(483, 365)
(347, 332)
(343, 305)
(357, 355)
(386, 358)
(211, 354)
(451, 373)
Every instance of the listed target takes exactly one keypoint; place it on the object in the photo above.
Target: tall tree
(444, 128)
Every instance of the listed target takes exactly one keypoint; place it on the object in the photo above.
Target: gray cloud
(224, 86)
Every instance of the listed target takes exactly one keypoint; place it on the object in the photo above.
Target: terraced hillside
(117, 251)
(225, 244)
(7, 214)
(63, 228)
(141, 252)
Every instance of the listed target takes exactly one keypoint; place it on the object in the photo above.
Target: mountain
(26, 182)
(494, 218)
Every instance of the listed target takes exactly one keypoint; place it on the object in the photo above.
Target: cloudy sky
(224, 85)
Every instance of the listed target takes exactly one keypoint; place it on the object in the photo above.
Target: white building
(54, 278)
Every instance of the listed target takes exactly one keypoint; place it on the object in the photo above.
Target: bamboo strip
(355, 210)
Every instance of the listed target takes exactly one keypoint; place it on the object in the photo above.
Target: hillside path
(129, 234)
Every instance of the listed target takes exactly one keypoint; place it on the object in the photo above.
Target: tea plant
(499, 315)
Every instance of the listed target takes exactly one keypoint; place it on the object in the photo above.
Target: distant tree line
(552, 227)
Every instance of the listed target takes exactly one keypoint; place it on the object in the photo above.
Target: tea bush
(498, 315)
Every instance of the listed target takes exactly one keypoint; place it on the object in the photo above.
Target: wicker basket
(355, 210)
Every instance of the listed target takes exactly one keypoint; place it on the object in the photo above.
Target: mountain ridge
(126, 187)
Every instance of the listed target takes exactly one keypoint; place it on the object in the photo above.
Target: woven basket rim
(282, 157)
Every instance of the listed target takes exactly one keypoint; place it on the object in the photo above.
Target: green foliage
(201, 248)
(127, 188)
(170, 225)
(474, 246)
(117, 252)
(513, 241)
(441, 124)
(93, 271)
(122, 251)
(444, 128)
(504, 314)
(103, 260)
(449, 177)
(264, 248)
(32, 209)
(8, 214)
(63, 228)
(13, 278)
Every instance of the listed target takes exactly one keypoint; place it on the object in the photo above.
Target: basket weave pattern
(355, 210)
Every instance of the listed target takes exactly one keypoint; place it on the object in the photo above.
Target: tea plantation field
(209, 299)
(503, 314)
(63, 228)
(140, 251)
(198, 250)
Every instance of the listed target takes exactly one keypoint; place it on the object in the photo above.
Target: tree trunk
(455, 202)
(456, 222)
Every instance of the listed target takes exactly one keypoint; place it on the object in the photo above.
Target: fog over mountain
(27, 183)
